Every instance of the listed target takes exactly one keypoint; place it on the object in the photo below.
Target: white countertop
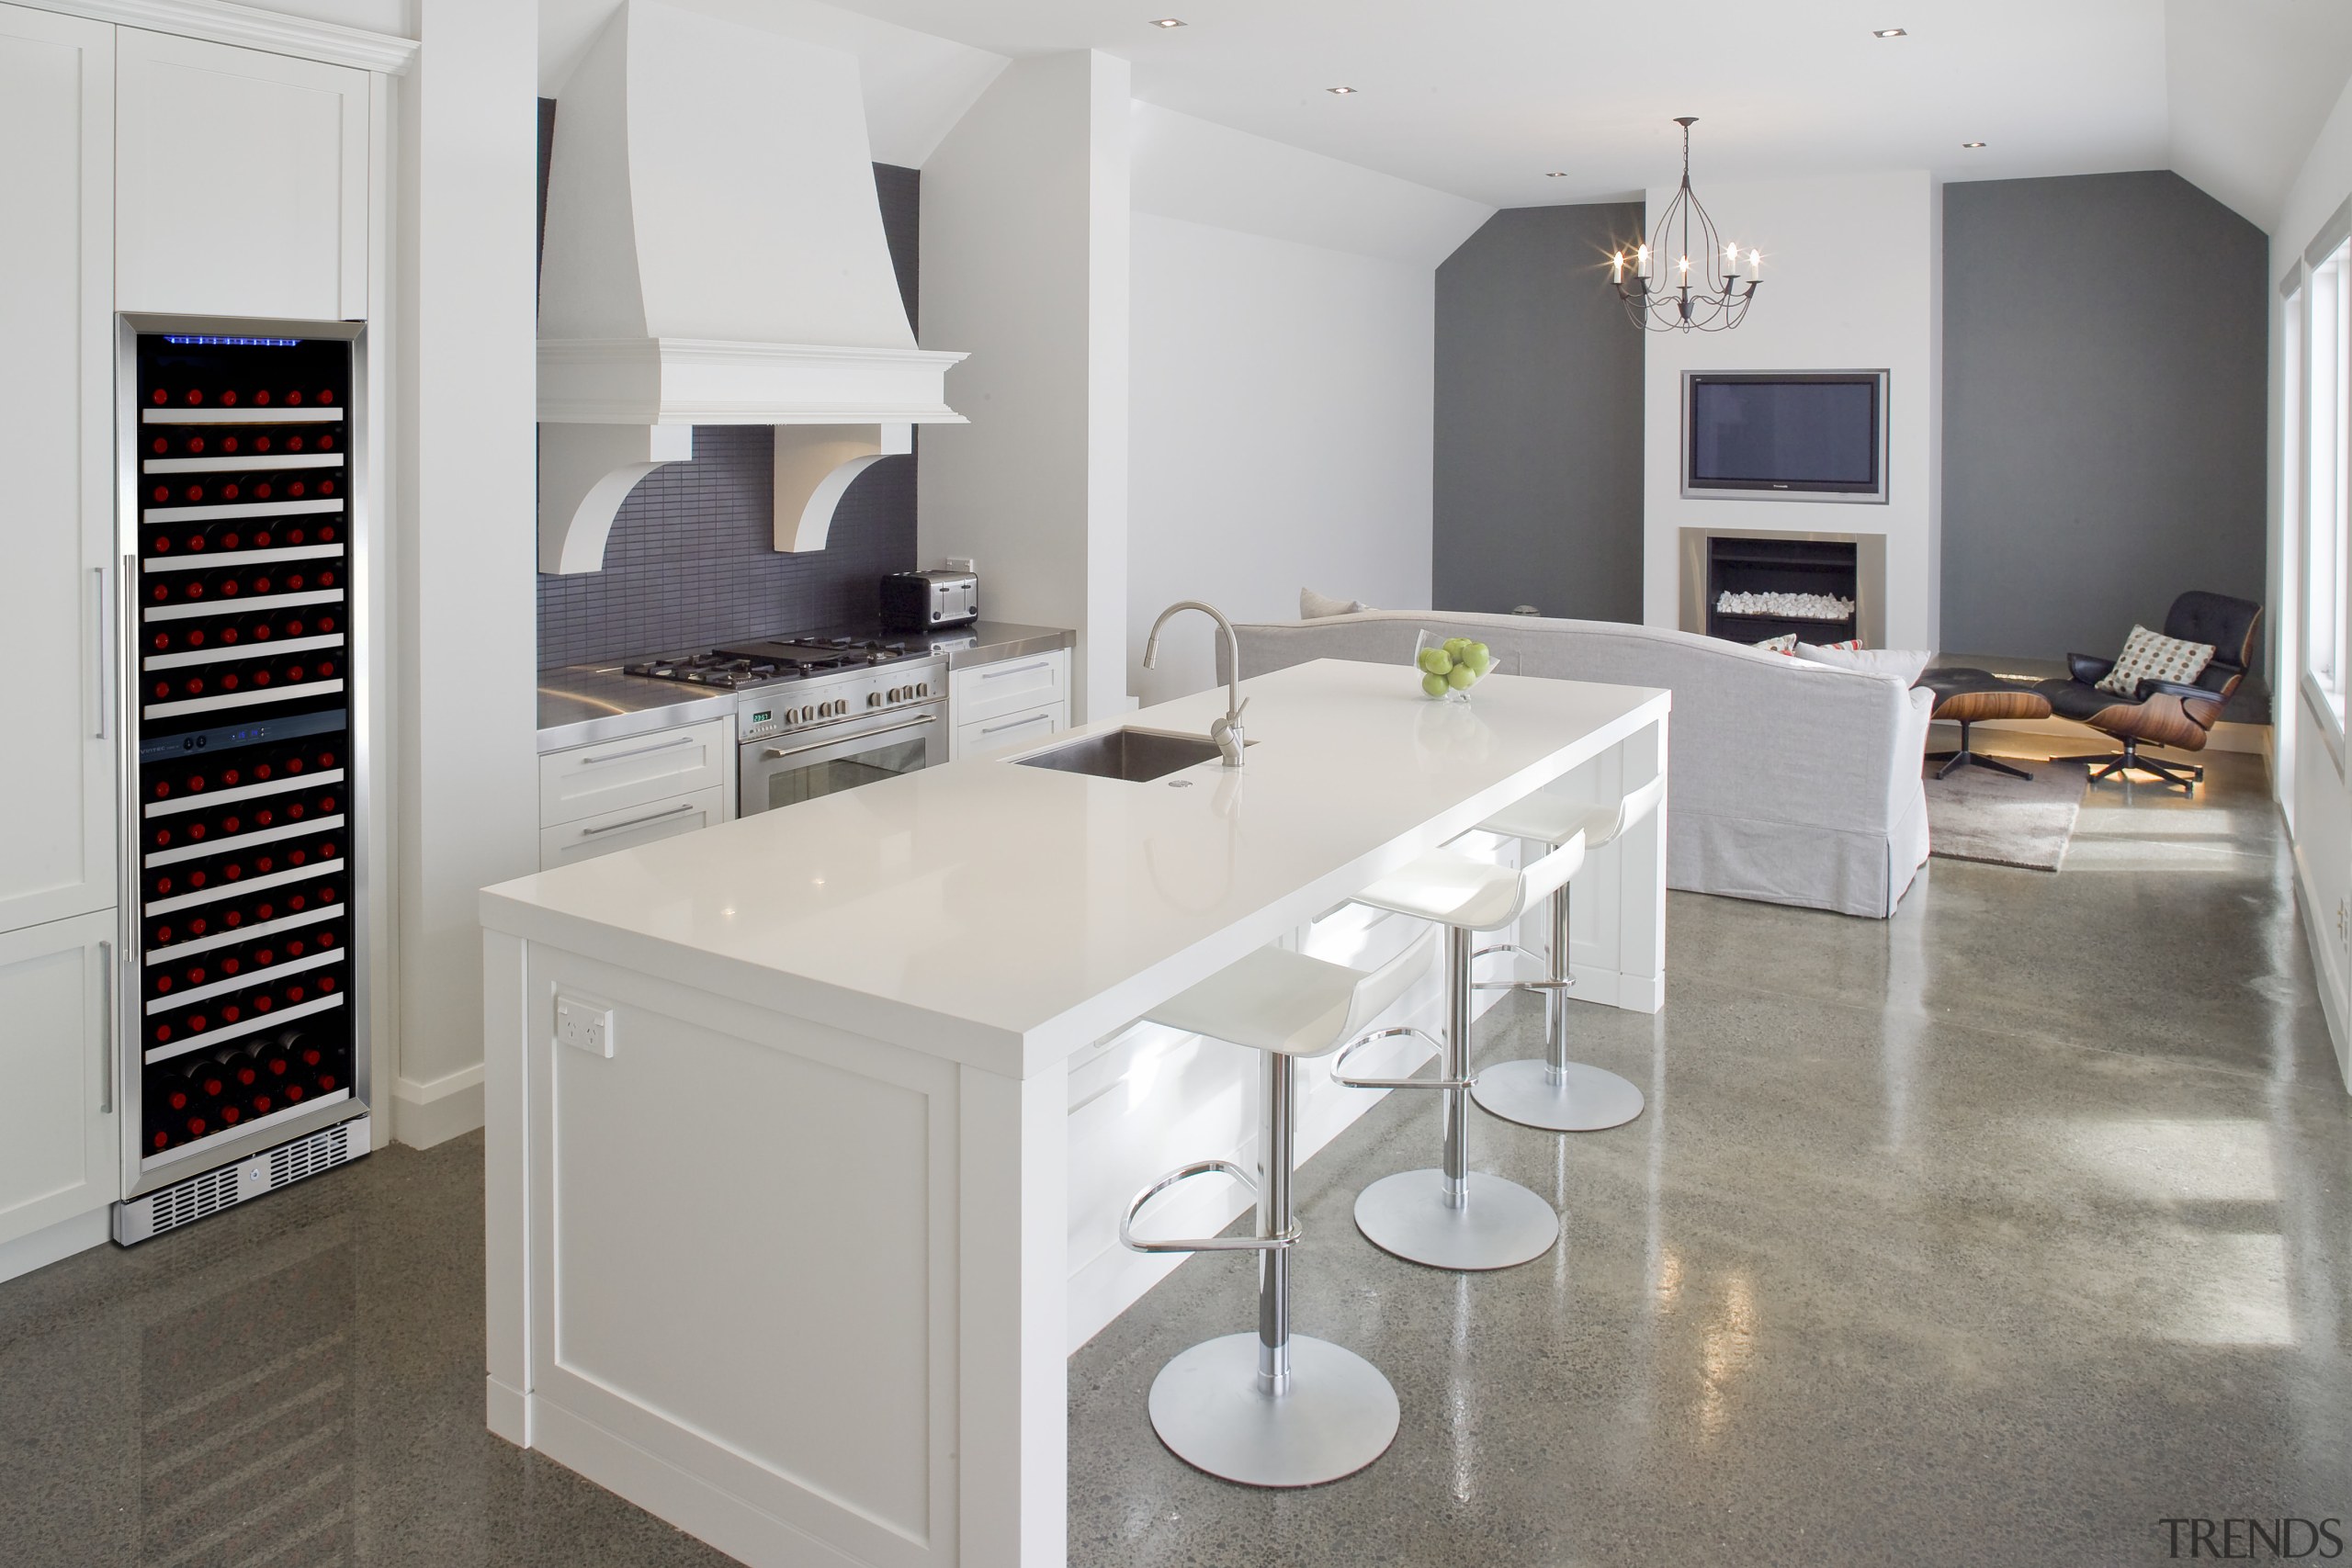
(1005, 916)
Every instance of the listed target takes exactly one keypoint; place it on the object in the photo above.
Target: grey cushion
(1788, 782)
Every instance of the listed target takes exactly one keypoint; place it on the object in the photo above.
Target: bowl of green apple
(1450, 666)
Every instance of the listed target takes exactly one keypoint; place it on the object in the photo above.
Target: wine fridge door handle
(106, 1023)
(98, 636)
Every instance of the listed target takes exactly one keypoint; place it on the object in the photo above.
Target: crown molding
(247, 26)
(704, 382)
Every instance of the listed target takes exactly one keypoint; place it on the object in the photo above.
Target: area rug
(1982, 816)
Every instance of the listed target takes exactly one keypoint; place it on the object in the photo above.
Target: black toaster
(918, 600)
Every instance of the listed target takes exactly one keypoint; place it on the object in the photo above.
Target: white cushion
(1785, 643)
(1314, 607)
(1906, 664)
(2151, 656)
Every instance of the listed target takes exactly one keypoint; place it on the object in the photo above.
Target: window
(2327, 485)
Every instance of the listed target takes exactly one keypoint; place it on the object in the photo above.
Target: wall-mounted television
(1784, 435)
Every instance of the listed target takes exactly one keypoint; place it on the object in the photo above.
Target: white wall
(1024, 267)
(465, 406)
(2311, 777)
(1282, 416)
(1282, 380)
(1853, 281)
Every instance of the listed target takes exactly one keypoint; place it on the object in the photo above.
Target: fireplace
(1748, 586)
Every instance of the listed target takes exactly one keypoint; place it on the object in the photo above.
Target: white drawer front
(1011, 730)
(639, 824)
(594, 781)
(1014, 685)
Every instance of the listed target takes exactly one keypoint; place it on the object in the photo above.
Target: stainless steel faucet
(1227, 731)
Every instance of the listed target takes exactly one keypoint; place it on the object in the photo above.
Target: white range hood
(714, 256)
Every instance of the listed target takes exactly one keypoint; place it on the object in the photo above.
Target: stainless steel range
(817, 715)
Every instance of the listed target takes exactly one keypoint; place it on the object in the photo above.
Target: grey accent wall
(1538, 459)
(692, 556)
(2106, 343)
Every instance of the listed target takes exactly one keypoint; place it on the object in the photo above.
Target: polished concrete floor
(1998, 1231)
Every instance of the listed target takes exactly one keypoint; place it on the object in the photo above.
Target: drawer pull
(1021, 723)
(637, 750)
(639, 821)
(1016, 669)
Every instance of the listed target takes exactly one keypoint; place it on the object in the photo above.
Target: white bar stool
(1273, 1408)
(1558, 1094)
(1454, 1217)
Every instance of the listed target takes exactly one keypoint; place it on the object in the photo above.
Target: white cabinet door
(242, 182)
(56, 527)
(57, 1152)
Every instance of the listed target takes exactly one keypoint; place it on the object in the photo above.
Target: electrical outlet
(584, 1025)
(961, 563)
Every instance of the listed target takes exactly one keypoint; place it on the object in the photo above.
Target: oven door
(793, 768)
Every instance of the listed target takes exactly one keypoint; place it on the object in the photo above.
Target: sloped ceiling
(1485, 98)
(2248, 84)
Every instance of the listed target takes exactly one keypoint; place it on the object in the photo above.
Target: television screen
(1813, 435)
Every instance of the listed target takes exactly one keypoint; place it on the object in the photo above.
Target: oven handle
(771, 754)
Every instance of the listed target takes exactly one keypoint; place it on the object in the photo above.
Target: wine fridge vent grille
(185, 1202)
(192, 1200)
(309, 1156)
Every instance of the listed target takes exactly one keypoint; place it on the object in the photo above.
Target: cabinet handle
(105, 1018)
(637, 821)
(1016, 670)
(1022, 723)
(98, 620)
(638, 751)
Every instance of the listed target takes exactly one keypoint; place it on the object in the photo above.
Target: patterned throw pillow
(1787, 645)
(2151, 656)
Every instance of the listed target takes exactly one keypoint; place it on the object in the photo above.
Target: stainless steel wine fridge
(243, 986)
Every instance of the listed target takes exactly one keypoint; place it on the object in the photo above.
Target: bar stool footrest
(1338, 1064)
(1199, 1244)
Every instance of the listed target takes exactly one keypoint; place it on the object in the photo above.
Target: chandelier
(1701, 289)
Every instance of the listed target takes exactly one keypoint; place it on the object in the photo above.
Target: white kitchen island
(780, 1234)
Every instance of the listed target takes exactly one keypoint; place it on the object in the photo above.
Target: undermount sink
(1138, 756)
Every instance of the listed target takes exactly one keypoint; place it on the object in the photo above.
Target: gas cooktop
(759, 662)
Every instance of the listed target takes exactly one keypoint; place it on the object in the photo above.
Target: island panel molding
(248, 27)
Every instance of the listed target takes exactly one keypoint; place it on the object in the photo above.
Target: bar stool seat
(1273, 1408)
(1454, 1217)
(1555, 1093)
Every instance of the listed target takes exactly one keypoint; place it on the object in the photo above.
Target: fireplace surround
(1757, 562)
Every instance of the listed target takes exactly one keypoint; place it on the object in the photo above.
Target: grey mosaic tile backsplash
(692, 559)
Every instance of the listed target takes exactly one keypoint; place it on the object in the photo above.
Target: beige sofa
(1788, 782)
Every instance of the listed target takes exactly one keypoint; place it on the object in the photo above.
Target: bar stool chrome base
(1580, 1100)
(1338, 1415)
(1502, 1224)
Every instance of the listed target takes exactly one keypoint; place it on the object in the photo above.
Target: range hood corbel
(815, 465)
(715, 255)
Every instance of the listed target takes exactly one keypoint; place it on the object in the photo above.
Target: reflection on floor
(2004, 1230)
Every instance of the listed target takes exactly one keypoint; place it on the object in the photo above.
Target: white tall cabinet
(57, 787)
(285, 140)
(142, 171)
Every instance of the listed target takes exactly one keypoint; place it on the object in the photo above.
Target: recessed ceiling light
(1167, 22)
(1971, 145)
(1888, 33)
(1343, 92)
(1557, 174)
